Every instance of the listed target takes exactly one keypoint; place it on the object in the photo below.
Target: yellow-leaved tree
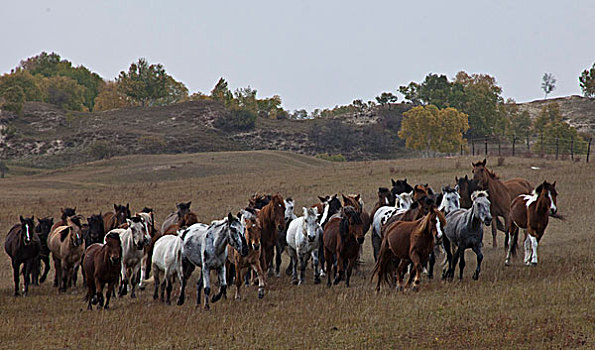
(427, 128)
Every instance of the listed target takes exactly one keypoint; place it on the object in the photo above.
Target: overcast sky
(314, 54)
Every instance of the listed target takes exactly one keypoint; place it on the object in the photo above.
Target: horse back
(109, 221)
(518, 211)
(331, 233)
(169, 220)
(518, 186)
(398, 238)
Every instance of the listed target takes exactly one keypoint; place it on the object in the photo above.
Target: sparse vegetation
(331, 157)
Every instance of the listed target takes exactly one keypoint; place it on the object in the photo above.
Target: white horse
(167, 262)
(206, 247)
(303, 240)
(134, 239)
(281, 241)
(451, 199)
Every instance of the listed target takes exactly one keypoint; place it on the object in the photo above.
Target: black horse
(400, 186)
(43, 229)
(22, 245)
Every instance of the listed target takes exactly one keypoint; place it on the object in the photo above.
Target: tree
(25, 81)
(245, 98)
(221, 93)
(12, 99)
(411, 93)
(386, 98)
(548, 83)
(587, 82)
(144, 83)
(236, 120)
(549, 113)
(427, 128)
(175, 91)
(63, 92)
(110, 97)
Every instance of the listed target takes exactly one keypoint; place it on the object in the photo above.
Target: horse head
(385, 196)
(351, 224)
(466, 187)
(547, 192)
(289, 207)
(235, 234)
(27, 229)
(43, 227)
(420, 191)
(67, 212)
(330, 207)
(311, 225)
(96, 229)
(400, 186)
(481, 207)
(138, 229)
(76, 230)
(481, 173)
(114, 247)
(259, 201)
(278, 211)
(183, 209)
(404, 200)
(122, 213)
(450, 199)
(436, 222)
(253, 231)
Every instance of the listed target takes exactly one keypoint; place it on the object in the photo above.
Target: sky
(314, 54)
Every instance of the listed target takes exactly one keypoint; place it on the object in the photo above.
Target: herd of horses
(117, 251)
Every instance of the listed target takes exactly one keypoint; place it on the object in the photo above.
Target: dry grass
(548, 306)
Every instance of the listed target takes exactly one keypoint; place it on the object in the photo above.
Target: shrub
(151, 144)
(101, 150)
(236, 120)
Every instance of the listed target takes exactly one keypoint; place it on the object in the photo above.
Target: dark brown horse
(356, 202)
(189, 219)
(101, 266)
(501, 194)
(408, 242)
(112, 220)
(466, 187)
(174, 217)
(272, 220)
(258, 201)
(64, 213)
(342, 237)
(22, 245)
(43, 229)
(531, 213)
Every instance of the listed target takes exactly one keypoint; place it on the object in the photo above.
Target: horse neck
(424, 230)
(220, 241)
(543, 203)
(473, 221)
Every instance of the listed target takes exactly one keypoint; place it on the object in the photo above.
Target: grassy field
(548, 306)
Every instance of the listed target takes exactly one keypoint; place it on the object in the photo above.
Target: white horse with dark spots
(167, 263)
(403, 202)
(303, 240)
(206, 247)
(134, 239)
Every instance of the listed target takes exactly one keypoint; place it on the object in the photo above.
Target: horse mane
(112, 235)
(64, 233)
(492, 174)
(477, 194)
(76, 220)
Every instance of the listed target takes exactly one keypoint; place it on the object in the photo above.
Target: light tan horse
(66, 245)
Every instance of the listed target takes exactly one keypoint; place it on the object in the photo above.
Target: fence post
(473, 146)
(572, 147)
(486, 145)
(589, 149)
(513, 142)
(461, 149)
(557, 148)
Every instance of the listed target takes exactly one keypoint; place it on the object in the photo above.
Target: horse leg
(279, 250)
(261, 281)
(479, 254)
(514, 236)
(494, 234)
(199, 284)
(156, 278)
(269, 259)
(461, 262)
(431, 262)
(534, 245)
(180, 275)
(111, 286)
(35, 270)
(528, 249)
(321, 256)
(507, 225)
(328, 260)
(222, 287)
(350, 265)
(340, 268)
(143, 271)
(28, 266)
(133, 279)
(416, 270)
(46, 268)
(376, 242)
(303, 262)
(57, 270)
(124, 282)
(168, 289)
(16, 276)
(238, 283)
(206, 282)
(316, 270)
(447, 259)
(75, 272)
(400, 272)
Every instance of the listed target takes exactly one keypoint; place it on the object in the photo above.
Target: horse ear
(74, 209)
(554, 184)
(229, 218)
(457, 187)
(344, 198)
(129, 222)
(128, 206)
(393, 182)
(22, 219)
(357, 197)
(115, 206)
(466, 177)
(484, 162)
(315, 210)
(62, 210)
(188, 204)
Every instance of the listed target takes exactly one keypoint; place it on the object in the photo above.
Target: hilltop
(578, 111)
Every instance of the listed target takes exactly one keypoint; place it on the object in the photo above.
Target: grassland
(548, 306)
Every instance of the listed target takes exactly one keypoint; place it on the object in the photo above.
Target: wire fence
(530, 146)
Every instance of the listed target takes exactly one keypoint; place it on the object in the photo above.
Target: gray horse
(464, 230)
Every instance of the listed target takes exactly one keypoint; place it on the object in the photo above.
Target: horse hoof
(215, 298)
(260, 294)
(317, 281)
(507, 263)
(207, 308)
(475, 276)
(294, 282)
(155, 296)
(277, 274)
(180, 301)
(168, 302)
(300, 282)
(533, 264)
(141, 287)
(133, 296)
(399, 288)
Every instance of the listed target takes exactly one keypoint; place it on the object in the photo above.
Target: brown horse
(356, 202)
(501, 194)
(385, 198)
(22, 245)
(176, 216)
(64, 213)
(418, 209)
(112, 220)
(66, 245)
(189, 219)
(252, 260)
(531, 213)
(343, 235)
(101, 265)
(272, 220)
(408, 242)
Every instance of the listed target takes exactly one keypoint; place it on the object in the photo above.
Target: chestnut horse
(101, 265)
(187, 220)
(112, 220)
(408, 242)
(356, 202)
(501, 194)
(531, 213)
(22, 245)
(66, 245)
(176, 216)
(272, 220)
(343, 235)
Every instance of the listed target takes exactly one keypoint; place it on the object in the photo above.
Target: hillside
(576, 110)
(45, 135)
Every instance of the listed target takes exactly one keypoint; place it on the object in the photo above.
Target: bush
(331, 157)
(13, 99)
(236, 120)
(151, 144)
(101, 150)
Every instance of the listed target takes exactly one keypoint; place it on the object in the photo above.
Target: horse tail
(384, 265)
(514, 237)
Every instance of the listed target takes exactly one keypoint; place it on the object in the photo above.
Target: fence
(560, 148)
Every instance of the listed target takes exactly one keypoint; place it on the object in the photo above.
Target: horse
(112, 220)
(400, 186)
(134, 239)
(66, 245)
(187, 220)
(94, 231)
(385, 199)
(167, 262)
(272, 219)
(206, 247)
(465, 231)
(281, 241)
(329, 206)
(42, 229)
(22, 245)
(408, 242)
(356, 202)
(148, 219)
(238, 263)
(101, 266)
(531, 213)
(64, 213)
(342, 237)
(258, 201)
(466, 187)
(174, 217)
(501, 194)
(451, 199)
(303, 239)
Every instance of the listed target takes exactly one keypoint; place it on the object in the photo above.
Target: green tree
(12, 99)
(222, 93)
(63, 92)
(548, 114)
(386, 98)
(25, 81)
(548, 83)
(110, 97)
(411, 93)
(245, 98)
(144, 83)
(427, 128)
(587, 82)
(175, 92)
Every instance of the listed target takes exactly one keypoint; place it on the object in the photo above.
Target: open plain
(551, 305)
